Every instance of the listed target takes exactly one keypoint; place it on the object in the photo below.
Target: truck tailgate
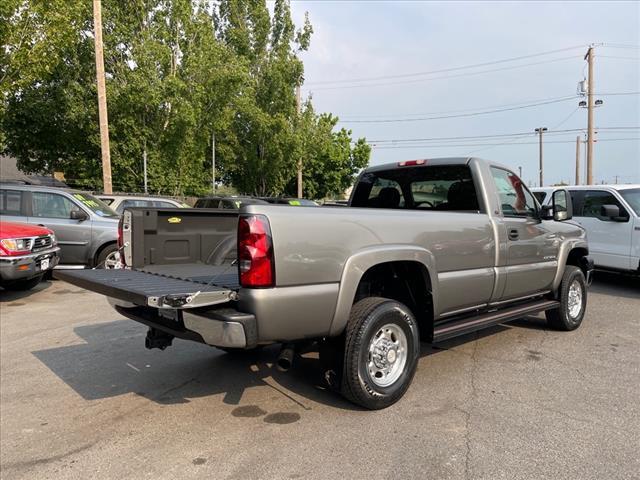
(152, 289)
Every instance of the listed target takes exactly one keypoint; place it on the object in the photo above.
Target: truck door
(531, 246)
(609, 238)
(53, 210)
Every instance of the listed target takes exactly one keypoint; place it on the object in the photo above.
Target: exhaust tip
(285, 358)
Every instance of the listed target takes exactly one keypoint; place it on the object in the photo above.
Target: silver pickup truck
(427, 250)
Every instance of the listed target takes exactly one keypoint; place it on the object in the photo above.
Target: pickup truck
(426, 250)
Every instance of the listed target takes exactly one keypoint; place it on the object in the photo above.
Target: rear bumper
(27, 266)
(218, 327)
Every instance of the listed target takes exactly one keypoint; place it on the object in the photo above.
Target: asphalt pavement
(80, 397)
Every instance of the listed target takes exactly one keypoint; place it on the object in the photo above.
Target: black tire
(563, 318)
(22, 285)
(104, 253)
(367, 319)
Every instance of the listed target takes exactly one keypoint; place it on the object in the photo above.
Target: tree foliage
(178, 72)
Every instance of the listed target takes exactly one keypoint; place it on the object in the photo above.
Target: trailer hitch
(157, 339)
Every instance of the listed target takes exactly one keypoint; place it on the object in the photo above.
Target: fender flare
(563, 255)
(358, 264)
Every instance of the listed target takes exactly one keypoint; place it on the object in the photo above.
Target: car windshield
(632, 196)
(96, 205)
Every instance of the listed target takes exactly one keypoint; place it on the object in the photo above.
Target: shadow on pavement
(616, 284)
(113, 361)
(13, 295)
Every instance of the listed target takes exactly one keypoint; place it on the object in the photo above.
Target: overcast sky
(362, 40)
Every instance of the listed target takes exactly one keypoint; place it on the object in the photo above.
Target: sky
(358, 45)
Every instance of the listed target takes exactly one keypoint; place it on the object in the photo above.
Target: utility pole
(578, 160)
(144, 165)
(102, 98)
(299, 108)
(213, 162)
(539, 131)
(590, 108)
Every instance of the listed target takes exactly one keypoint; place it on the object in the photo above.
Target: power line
(619, 58)
(364, 85)
(619, 45)
(448, 145)
(443, 70)
(472, 114)
(444, 112)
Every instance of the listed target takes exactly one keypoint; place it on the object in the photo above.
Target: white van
(611, 216)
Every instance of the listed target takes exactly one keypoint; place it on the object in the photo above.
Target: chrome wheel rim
(575, 299)
(387, 355)
(113, 261)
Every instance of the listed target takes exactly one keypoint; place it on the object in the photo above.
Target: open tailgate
(148, 289)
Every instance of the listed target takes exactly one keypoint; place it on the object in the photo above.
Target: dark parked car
(228, 203)
(298, 202)
(27, 252)
(86, 228)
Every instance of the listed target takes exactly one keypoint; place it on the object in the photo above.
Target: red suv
(26, 253)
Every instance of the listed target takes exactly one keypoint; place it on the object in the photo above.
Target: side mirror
(561, 205)
(612, 212)
(79, 215)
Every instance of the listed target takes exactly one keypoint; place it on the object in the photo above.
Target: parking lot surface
(82, 398)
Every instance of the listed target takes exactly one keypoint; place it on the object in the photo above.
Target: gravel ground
(81, 398)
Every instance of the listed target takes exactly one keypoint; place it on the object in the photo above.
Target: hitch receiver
(157, 339)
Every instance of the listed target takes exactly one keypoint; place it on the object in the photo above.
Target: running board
(471, 324)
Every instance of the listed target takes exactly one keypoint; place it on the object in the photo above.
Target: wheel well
(407, 282)
(575, 258)
(100, 250)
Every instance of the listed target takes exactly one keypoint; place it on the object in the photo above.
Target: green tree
(177, 71)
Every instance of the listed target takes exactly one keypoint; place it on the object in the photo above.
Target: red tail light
(120, 239)
(255, 252)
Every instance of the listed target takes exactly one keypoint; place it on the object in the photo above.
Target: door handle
(514, 234)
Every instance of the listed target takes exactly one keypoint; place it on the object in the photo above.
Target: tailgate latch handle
(175, 301)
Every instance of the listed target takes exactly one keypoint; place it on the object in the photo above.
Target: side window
(161, 204)
(10, 202)
(515, 199)
(385, 193)
(51, 205)
(593, 201)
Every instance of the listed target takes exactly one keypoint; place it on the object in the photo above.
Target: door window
(51, 205)
(593, 201)
(515, 199)
(10, 202)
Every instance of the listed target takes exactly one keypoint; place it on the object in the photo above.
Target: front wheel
(382, 347)
(573, 301)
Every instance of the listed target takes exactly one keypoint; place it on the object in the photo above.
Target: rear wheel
(21, 285)
(382, 347)
(573, 301)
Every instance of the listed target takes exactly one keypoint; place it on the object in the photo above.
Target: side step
(471, 324)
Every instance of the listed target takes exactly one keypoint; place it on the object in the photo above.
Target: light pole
(539, 131)
(213, 162)
(520, 172)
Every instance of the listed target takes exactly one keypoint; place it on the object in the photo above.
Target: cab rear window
(443, 187)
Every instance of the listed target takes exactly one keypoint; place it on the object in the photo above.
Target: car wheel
(109, 258)
(21, 285)
(573, 301)
(382, 347)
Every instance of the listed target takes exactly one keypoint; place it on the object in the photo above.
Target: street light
(539, 131)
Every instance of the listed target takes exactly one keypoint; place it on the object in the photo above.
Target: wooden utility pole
(577, 160)
(590, 108)
(539, 131)
(102, 98)
(299, 109)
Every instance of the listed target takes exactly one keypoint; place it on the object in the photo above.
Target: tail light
(121, 240)
(255, 252)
